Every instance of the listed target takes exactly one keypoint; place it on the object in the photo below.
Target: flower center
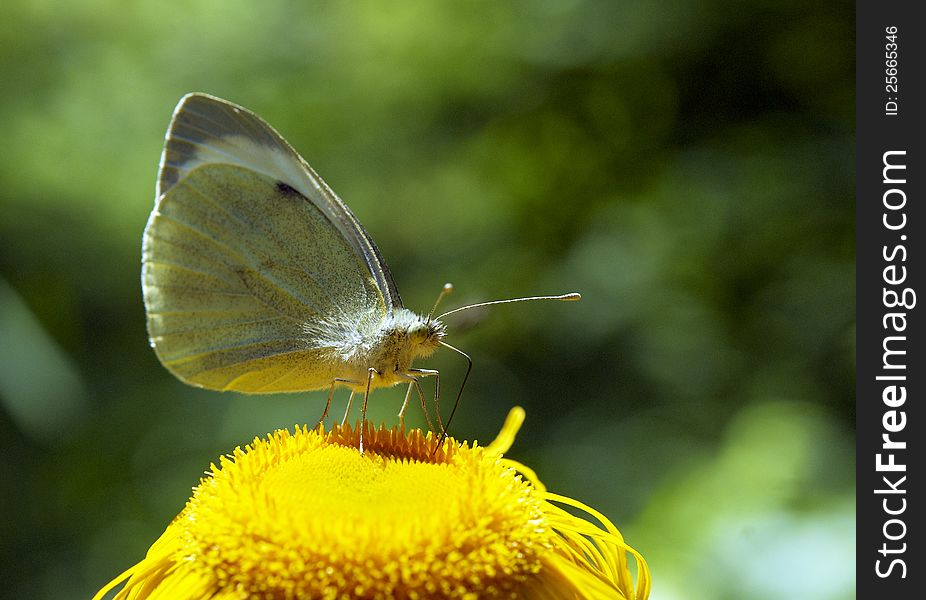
(307, 515)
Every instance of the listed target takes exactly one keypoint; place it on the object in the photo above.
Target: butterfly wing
(255, 276)
(206, 129)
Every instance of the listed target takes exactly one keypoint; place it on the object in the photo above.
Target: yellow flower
(306, 515)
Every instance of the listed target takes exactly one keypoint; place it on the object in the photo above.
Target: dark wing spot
(287, 191)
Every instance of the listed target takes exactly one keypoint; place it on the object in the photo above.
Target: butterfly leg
(436, 374)
(350, 401)
(424, 408)
(334, 384)
(363, 409)
(408, 395)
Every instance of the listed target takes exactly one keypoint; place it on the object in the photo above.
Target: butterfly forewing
(243, 278)
(209, 130)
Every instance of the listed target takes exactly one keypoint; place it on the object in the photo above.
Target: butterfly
(257, 278)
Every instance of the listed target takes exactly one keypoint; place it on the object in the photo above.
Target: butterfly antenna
(469, 367)
(448, 287)
(572, 297)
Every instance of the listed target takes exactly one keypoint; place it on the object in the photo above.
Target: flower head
(306, 515)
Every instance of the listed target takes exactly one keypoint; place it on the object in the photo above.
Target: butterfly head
(403, 337)
(413, 334)
(421, 336)
(426, 334)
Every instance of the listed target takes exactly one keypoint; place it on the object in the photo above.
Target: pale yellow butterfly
(256, 276)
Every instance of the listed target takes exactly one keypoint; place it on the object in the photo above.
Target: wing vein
(208, 329)
(242, 259)
(270, 383)
(175, 265)
(190, 357)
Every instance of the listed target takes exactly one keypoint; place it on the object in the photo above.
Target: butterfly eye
(418, 333)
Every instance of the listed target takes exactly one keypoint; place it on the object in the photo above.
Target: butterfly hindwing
(238, 271)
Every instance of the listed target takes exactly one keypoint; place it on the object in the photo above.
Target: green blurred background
(687, 166)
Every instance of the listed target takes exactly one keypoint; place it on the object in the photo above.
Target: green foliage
(687, 166)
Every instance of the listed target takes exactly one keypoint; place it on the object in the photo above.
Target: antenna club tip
(448, 287)
(573, 297)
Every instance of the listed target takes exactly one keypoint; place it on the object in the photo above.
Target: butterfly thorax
(389, 347)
